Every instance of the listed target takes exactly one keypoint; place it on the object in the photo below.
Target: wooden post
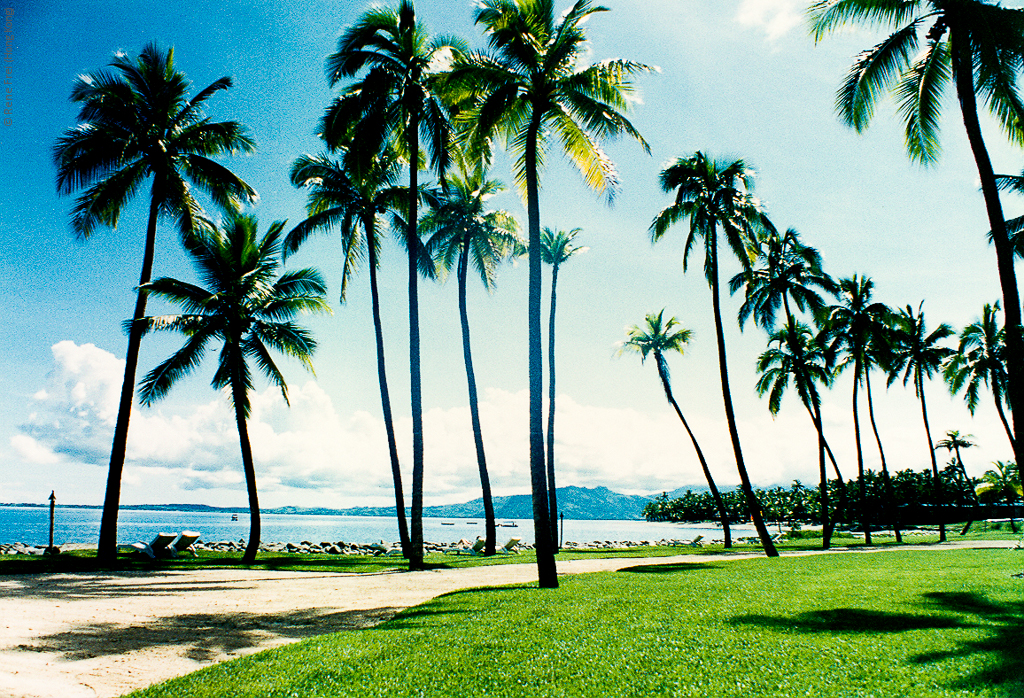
(53, 503)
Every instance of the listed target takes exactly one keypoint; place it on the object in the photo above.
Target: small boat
(508, 524)
(472, 523)
(234, 517)
(447, 523)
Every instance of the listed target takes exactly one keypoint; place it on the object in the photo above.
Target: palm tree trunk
(715, 494)
(1002, 417)
(826, 523)
(552, 495)
(547, 572)
(106, 549)
(238, 398)
(890, 503)
(931, 452)
(385, 397)
(415, 380)
(963, 70)
(474, 406)
(748, 491)
(864, 517)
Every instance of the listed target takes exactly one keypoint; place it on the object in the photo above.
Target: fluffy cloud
(776, 17)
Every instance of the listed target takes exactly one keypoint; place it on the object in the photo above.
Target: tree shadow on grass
(204, 637)
(1003, 621)
(671, 568)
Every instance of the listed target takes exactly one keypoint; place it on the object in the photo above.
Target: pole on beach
(53, 504)
(561, 534)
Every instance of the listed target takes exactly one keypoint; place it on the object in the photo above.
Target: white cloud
(776, 17)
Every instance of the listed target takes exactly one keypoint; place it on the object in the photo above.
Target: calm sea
(30, 525)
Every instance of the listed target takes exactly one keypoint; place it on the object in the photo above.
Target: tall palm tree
(977, 45)
(918, 354)
(354, 195)
(713, 195)
(390, 106)
(794, 352)
(246, 307)
(556, 248)
(463, 233)
(657, 337)
(533, 86)
(979, 359)
(855, 327)
(138, 124)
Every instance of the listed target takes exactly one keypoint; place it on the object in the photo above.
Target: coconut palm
(354, 196)
(556, 248)
(463, 233)
(1002, 484)
(953, 442)
(246, 307)
(918, 354)
(533, 86)
(979, 46)
(979, 360)
(138, 124)
(855, 327)
(657, 337)
(391, 104)
(713, 195)
(795, 353)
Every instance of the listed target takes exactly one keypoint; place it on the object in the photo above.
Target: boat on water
(234, 517)
(447, 523)
(507, 524)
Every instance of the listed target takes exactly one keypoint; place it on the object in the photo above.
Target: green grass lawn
(893, 623)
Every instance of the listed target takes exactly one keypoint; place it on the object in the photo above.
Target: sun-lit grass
(893, 623)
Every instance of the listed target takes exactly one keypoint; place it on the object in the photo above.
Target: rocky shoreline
(344, 548)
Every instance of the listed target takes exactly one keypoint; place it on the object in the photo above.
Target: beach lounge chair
(184, 543)
(696, 542)
(510, 548)
(476, 549)
(158, 548)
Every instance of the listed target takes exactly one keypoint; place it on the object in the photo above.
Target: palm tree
(978, 46)
(979, 360)
(139, 124)
(249, 309)
(1002, 483)
(354, 195)
(953, 442)
(533, 86)
(917, 353)
(463, 232)
(658, 337)
(556, 248)
(799, 355)
(713, 194)
(390, 106)
(855, 327)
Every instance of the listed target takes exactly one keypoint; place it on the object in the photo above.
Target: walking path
(100, 634)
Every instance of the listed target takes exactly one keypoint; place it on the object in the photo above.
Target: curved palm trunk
(716, 495)
(238, 397)
(863, 487)
(385, 396)
(547, 572)
(890, 503)
(1002, 416)
(415, 381)
(552, 495)
(748, 491)
(106, 549)
(826, 522)
(474, 407)
(963, 70)
(931, 452)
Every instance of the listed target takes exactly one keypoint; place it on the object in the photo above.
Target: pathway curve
(101, 634)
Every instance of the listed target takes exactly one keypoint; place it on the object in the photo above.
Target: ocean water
(30, 525)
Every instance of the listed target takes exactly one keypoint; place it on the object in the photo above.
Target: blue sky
(736, 79)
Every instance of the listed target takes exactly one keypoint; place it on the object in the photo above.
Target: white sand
(70, 635)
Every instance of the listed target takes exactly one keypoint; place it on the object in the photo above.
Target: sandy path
(71, 635)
